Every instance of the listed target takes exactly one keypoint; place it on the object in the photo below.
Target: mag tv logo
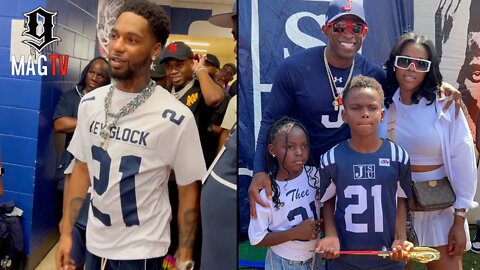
(38, 33)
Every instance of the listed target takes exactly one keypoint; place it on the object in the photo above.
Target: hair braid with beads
(284, 125)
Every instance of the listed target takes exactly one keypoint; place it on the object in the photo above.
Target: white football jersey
(130, 211)
(299, 203)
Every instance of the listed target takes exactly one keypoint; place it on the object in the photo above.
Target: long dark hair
(284, 125)
(433, 80)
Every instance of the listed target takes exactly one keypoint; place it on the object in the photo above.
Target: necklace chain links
(125, 110)
(337, 97)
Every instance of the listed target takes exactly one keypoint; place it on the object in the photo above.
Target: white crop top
(416, 133)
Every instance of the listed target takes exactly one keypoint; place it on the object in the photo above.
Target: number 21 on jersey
(129, 167)
(363, 195)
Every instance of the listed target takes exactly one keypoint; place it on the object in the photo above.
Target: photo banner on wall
(270, 31)
(454, 25)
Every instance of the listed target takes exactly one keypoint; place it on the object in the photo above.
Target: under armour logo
(172, 48)
(39, 26)
(337, 80)
(344, 8)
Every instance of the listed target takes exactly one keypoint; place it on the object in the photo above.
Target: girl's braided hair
(284, 125)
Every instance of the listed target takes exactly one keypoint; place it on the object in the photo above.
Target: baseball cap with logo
(212, 60)
(224, 19)
(339, 8)
(177, 50)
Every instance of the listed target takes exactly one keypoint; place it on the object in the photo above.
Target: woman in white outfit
(438, 144)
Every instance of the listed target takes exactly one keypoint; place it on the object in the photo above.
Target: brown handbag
(429, 195)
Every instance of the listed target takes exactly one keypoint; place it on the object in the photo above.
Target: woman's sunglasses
(404, 62)
(356, 28)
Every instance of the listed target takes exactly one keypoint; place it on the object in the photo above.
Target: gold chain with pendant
(337, 97)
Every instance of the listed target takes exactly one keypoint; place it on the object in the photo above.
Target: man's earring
(393, 68)
(273, 155)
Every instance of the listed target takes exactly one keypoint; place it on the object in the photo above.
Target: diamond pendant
(104, 144)
(337, 102)
(104, 134)
(335, 105)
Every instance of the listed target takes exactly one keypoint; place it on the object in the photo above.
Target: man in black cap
(193, 86)
(212, 64)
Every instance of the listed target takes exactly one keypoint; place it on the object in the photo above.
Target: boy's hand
(400, 249)
(259, 180)
(329, 247)
(307, 230)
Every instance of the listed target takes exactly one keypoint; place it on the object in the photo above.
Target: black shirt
(68, 107)
(194, 100)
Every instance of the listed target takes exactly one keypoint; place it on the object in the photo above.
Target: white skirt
(432, 227)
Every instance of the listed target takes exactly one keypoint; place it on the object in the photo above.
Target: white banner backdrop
(454, 25)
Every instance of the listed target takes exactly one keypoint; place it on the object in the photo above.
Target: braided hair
(284, 125)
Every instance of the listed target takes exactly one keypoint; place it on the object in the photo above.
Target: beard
(123, 75)
(132, 70)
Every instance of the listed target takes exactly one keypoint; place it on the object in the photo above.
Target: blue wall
(26, 108)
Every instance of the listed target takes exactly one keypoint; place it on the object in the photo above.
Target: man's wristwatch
(460, 214)
(185, 265)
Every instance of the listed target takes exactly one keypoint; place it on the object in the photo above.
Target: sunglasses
(404, 62)
(356, 28)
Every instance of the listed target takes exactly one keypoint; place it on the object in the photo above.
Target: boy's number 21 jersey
(366, 188)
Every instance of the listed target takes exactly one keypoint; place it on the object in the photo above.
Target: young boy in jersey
(290, 226)
(363, 183)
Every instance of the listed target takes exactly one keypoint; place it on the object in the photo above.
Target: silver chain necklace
(125, 110)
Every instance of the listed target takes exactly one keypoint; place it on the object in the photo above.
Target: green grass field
(471, 261)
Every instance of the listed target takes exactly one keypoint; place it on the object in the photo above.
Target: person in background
(157, 73)
(193, 86)
(218, 203)
(225, 76)
(212, 64)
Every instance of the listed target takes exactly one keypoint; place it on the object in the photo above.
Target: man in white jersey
(130, 135)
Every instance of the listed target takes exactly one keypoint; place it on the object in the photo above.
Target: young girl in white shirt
(290, 226)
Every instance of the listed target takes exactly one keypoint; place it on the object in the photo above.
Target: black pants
(94, 262)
